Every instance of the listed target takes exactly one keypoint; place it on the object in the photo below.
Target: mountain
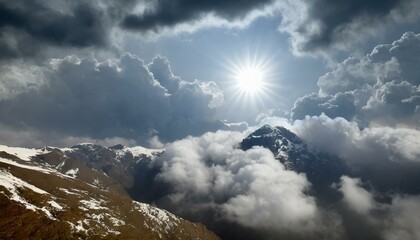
(90, 191)
(321, 169)
(80, 192)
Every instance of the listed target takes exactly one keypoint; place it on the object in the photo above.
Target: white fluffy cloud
(404, 218)
(345, 139)
(248, 187)
(387, 156)
(355, 196)
(398, 219)
(380, 88)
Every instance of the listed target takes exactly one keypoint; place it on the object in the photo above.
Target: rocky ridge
(79, 192)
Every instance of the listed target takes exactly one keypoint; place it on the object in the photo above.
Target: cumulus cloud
(403, 221)
(397, 219)
(317, 26)
(381, 88)
(208, 178)
(355, 196)
(388, 157)
(115, 98)
(211, 175)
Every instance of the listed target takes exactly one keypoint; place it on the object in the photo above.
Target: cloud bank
(388, 157)
(394, 220)
(161, 15)
(210, 179)
(314, 26)
(28, 27)
(380, 88)
(321, 25)
(118, 98)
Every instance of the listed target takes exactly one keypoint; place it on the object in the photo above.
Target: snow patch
(102, 220)
(164, 220)
(67, 191)
(35, 168)
(12, 184)
(72, 172)
(93, 204)
(23, 153)
(59, 166)
(55, 205)
(78, 228)
(64, 150)
(137, 152)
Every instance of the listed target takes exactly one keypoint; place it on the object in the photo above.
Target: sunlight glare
(249, 79)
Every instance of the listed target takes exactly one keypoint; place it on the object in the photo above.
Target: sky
(113, 72)
(196, 76)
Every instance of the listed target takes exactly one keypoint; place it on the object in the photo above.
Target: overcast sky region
(196, 77)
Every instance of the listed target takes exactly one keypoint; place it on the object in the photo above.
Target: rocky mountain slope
(79, 192)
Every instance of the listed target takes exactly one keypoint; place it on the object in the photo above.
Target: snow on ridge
(164, 219)
(35, 168)
(65, 149)
(138, 151)
(23, 153)
(12, 184)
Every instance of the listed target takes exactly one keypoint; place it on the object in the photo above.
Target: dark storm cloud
(116, 98)
(382, 87)
(26, 26)
(340, 105)
(316, 26)
(164, 13)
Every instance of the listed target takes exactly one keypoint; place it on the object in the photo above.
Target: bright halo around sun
(252, 81)
(251, 78)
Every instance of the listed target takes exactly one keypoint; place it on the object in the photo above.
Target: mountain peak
(276, 132)
(294, 154)
(272, 138)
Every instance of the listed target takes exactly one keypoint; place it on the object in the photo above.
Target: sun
(249, 79)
